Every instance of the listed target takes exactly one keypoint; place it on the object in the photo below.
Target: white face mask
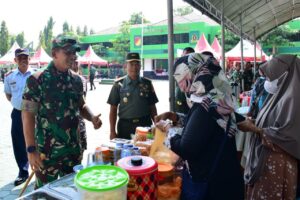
(271, 86)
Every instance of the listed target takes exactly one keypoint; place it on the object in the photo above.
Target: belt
(135, 120)
(17, 110)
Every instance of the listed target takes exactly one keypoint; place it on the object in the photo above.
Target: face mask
(183, 77)
(271, 86)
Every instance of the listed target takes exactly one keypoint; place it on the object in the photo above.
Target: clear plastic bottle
(118, 151)
(126, 151)
(136, 151)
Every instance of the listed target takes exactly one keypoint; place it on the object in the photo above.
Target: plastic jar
(102, 182)
(142, 171)
(165, 173)
(141, 134)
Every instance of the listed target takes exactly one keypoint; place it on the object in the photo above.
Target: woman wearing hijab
(207, 142)
(271, 168)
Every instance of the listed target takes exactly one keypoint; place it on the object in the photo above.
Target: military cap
(66, 42)
(133, 57)
(21, 51)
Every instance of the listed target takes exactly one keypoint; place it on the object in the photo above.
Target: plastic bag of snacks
(159, 151)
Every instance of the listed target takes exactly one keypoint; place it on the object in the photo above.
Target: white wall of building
(148, 64)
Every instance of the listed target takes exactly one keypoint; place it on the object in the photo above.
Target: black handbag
(198, 190)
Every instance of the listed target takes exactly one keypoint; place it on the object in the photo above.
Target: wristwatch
(30, 149)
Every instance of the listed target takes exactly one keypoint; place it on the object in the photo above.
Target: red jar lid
(130, 164)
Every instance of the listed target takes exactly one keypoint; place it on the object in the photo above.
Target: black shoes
(20, 180)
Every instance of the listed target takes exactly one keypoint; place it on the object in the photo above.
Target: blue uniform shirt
(14, 84)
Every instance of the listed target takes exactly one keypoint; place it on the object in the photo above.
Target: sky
(31, 16)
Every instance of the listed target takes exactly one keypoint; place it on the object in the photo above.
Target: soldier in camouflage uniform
(134, 98)
(52, 103)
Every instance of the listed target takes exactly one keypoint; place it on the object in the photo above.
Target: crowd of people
(48, 130)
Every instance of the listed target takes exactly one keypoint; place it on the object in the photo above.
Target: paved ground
(96, 99)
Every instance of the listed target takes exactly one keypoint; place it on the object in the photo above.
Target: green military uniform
(55, 97)
(134, 98)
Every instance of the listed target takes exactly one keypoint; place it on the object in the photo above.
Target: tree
(181, 11)
(92, 32)
(48, 35)
(20, 39)
(78, 31)
(230, 39)
(4, 38)
(85, 31)
(122, 42)
(136, 18)
(12, 39)
(276, 37)
(66, 28)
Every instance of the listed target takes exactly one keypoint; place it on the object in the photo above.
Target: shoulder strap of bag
(215, 164)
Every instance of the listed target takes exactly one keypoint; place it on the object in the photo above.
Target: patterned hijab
(203, 79)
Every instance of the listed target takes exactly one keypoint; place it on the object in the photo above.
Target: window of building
(163, 39)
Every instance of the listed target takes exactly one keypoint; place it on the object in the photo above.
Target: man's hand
(113, 135)
(36, 160)
(97, 121)
(167, 115)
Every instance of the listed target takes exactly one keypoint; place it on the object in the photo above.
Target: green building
(150, 40)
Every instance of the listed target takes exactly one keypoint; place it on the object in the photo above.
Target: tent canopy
(40, 57)
(202, 45)
(9, 57)
(90, 57)
(216, 46)
(248, 50)
(261, 16)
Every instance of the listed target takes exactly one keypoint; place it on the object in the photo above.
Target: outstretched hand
(163, 125)
(248, 126)
(97, 121)
(166, 115)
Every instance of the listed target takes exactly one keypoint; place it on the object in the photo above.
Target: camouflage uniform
(134, 98)
(55, 97)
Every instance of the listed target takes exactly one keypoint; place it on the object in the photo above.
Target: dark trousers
(126, 127)
(92, 83)
(18, 142)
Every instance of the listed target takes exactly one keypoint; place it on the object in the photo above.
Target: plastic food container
(102, 182)
(141, 134)
(143, 177)
(165, 173)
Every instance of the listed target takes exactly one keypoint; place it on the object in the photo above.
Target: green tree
(4, 38)
(122, 43)
(78, 30)
(230, 39)
(66, 28)
(85, 31)
(136, 18)
(12, 39)
(42, 40)
(276, 37)
(48, 34)
(184, 10)
(20, 39)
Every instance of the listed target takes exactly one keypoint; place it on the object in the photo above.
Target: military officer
(13, 87)
(133, 98)
(52, 103)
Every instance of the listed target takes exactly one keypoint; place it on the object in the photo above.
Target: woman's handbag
(198, 190)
